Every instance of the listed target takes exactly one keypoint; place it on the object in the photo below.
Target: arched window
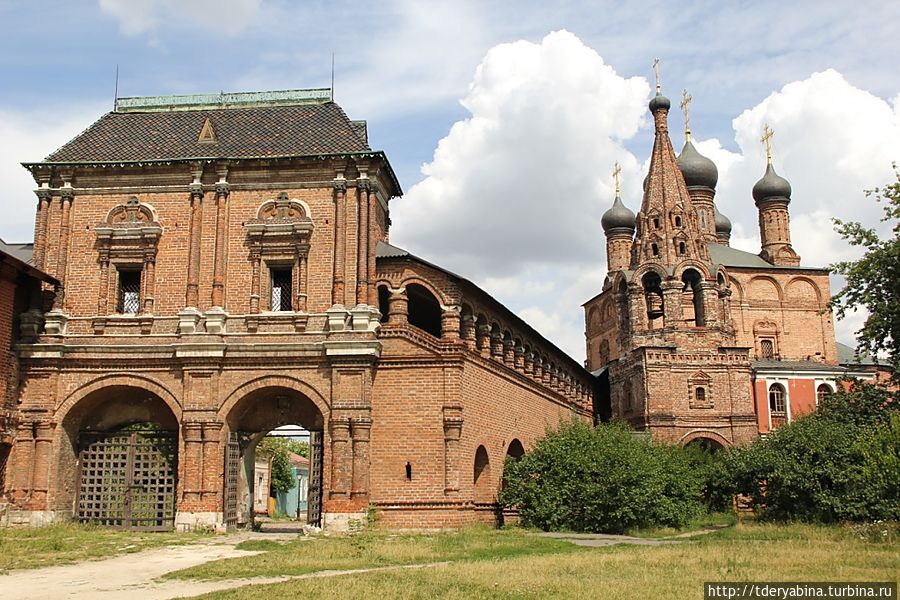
(777, 404)
(677, 221)
(655, 249)
(823, 391)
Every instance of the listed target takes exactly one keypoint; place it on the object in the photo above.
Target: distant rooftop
(223, 100)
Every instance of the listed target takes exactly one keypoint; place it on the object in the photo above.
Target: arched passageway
(249, 421)
(119, 459)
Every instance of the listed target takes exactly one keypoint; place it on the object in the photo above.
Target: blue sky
(502, 119)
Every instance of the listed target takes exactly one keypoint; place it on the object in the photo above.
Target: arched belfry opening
(272, 412)
(692, 298)
(653, 297)
(119, 459)
(424, 309)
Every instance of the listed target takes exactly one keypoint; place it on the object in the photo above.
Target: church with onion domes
(694, 341)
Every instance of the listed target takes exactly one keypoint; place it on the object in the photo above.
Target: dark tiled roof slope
(299, 130)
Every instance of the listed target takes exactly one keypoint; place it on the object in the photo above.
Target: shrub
(837, 464)
(602, 479)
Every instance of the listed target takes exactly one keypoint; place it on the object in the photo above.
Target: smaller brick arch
(421, 281)
(704, 434)
(688, 265)
(273, 381)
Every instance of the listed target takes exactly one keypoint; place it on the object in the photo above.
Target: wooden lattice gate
(232, 476)
(128, 479)
(314, 491)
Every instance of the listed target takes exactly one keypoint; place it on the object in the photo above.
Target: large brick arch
(132, 380)
(273, 381)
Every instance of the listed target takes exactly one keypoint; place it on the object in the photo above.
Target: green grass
(62, 543)
(749, 552)
(375, 549)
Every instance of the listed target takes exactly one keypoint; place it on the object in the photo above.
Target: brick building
(225, 269)
(20, 318)
(702, 341)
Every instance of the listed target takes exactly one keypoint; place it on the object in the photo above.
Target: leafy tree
(602, 479)
(271, 443)
(873, 281)
(282, 477)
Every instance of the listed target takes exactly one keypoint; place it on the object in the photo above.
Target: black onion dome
(659, 101)
(723, 223)
(696, 168)
(617, 217)
(771, 185)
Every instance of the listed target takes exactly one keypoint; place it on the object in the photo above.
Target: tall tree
(873, 281)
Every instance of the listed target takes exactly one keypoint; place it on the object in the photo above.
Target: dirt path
(126, 576)
(136, 576)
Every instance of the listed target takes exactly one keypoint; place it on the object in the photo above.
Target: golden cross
(656, 70)
(766, 139)
(616, 172)
(685, 104)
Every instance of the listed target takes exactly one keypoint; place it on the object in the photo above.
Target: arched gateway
(123, 443)
(248, 421)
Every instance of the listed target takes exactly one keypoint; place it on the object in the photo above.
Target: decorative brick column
(453, 422)
(192, 292)
(519, 358)
(43, 444)
(40, 227)
(673, 315)
(192, 464)
(340, 195)
(468, 322)
(341, 457)
(24, 455)
(373, 236)
(509, 353)
(217, 298)
(68, 197)
(398, 307)
(360, 429)
(450, 320)
(528, 364)
(212, 471)
(362, 242)
(483, 339)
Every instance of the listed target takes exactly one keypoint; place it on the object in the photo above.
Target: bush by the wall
(602, 479)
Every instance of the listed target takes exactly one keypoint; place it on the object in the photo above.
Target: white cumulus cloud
(513, 195)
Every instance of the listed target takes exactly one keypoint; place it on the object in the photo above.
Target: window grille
(281, 289)
(767, 349)
(129, 301)
(700, 394)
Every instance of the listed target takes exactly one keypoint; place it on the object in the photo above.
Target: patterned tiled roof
(249, 132)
